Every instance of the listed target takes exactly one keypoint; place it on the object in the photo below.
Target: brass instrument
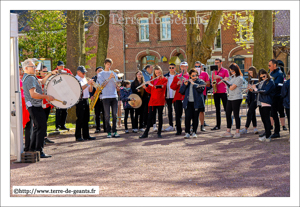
(99, 89)
(214, 83)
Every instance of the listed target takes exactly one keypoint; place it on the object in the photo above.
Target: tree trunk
(263, 37)
(103, 38)
(73, 50)
(201, 50)
(82, 38)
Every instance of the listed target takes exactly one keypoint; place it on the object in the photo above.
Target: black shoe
(284, 128)
(271, 127)
(205, 124)
(178, 133)
(43, 155)
(44, 142)
(64, 128)
(215, 128)
(97, 131)
(79, 139)
(48, 140)
(90, 138)
(263, 134)
(275, 135)
(144, 136)
(159, 136)
(202, 128)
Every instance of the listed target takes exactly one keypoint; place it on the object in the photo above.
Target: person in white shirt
(170, 93)
(82, 107)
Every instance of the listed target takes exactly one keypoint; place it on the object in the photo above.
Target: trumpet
(224, 79)
(146, 82)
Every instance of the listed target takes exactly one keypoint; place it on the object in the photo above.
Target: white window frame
(215, 42)
(161, 30)
(243, 22)
(145, 30)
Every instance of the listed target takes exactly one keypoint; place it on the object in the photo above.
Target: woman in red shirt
(157, 89)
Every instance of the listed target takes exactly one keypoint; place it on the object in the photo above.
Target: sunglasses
(171, 67)
(263, 76)
(198, 66)
(193, 75)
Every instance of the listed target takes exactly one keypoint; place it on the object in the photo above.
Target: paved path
(172, 166)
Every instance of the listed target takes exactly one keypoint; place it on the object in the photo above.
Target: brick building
(159, 38)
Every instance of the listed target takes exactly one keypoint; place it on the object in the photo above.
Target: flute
(246, 90)
(224, 79)
(146, 83)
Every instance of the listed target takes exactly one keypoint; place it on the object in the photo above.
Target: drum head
(63, 87)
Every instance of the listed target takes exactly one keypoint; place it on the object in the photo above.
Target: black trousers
(274, 109)
(287, 111)
(145, 110)
(98, 110)
(139, 118)
(217, 99)
(265, 117)
(28, 134)
(234, 106)
(61, 116)
(82, 121)
(178, 115)
(151, 114)
(281, 108)
(191, 114)
(251, 115)
(47, 112)
(127, 111)
(38, 117)
(170, 110)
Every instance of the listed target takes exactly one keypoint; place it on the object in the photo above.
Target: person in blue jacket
(193, 101)
(285, 93)
(278, 79)
(125, 92)
(265, 95)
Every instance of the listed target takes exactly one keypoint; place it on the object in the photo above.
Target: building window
(144, 29)
(165, 28)
(245, 31)
(217, 43)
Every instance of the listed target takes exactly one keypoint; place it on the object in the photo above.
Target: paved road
(172, 166)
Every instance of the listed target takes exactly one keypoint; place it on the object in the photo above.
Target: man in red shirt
(221, 92)
(61, 114)
(178, 97)
(204, 76)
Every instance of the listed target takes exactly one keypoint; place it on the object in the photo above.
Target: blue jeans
(113, 103)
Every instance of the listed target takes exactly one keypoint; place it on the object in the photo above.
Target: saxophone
(214, 83)
(99, 89)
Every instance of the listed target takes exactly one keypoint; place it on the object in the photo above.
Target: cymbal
(137, 102)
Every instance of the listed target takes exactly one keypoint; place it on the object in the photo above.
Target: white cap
(184, 64)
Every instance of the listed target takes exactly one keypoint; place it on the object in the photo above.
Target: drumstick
(63, 102)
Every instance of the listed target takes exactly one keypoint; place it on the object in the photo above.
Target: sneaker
(284, 128)
(275, 135)
(226, 134)
(268, 139)
(243, 131)
(134, 130)
(261, 135)
(169, 128)
(155, 128)
(187, 136)
(141, 130)
(108, 135)
(194, 135)
(116, 135)
(255, 130)
(237, 135)
(126, 131)
(262, 139)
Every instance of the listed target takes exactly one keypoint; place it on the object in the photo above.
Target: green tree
(46, 36)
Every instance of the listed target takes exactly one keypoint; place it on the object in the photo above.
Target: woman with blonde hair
(157, 89)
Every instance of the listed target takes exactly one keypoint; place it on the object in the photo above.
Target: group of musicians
(186, 90)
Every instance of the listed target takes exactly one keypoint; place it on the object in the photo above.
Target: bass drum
(64, 87)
